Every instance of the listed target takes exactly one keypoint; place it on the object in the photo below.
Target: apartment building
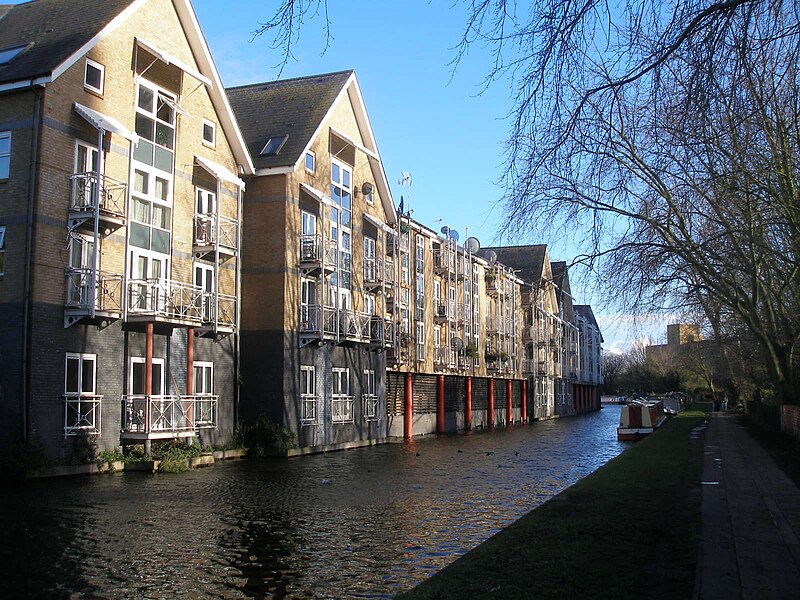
(586, 392)
(318, 262)
(458, 313)
(120, 209)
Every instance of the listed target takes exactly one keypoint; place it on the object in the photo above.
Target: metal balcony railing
(342, 409)
(444, 260)
(107, 290)
(308, 404)
(315, 251)
(112, 193)
(168, 414)
(82, 414)
(221, 312)
(207, 236)
(165, 299)
(325, 322)
(381, 332)
(370, 406)
(377, 272)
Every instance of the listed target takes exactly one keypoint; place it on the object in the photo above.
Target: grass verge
(629, 530)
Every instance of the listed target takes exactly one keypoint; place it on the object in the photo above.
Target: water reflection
(360, 523)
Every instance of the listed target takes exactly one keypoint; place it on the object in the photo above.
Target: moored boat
(640, 418)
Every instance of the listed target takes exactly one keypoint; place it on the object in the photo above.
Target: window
(274, 145)
(204, 279)
(8, 54)
(81, 403)
(205, 211)
(2, 249)
(209, 133)
(370, 265)
(369, 396)
(420, 256)
(308, 395)
(420, 341)
(5, 154)
(310, 161)
(341, 400)
(205, 403)
(94, 76)
(369, 304)
(155, 125)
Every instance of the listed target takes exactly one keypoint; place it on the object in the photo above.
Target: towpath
(750, 545)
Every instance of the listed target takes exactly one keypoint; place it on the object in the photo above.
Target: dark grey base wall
(50, 342)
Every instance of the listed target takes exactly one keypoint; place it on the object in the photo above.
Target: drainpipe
(468, 408)
(96, 228)
(33, 180)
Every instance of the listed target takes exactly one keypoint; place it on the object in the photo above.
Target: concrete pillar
(509, 404)
(524, 400)
(468, 408)
(408, 410)
(440, 404)
(490, 411)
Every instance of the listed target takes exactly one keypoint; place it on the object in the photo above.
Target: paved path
(750, 546)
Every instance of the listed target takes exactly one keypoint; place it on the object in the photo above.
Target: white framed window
(81, 402)
(2, 249)
(420, 339)
(205, 402)
(369, 304)
(136, 379)
(5, 154)
(369, 396)
(209, 133)
(420, 254)
(341, 400)
(311, 161)
(94, 75)
(370, 263)
(204, 279)
(308, 394)
(79, 280)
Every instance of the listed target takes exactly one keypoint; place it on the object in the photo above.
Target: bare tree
(670, 134)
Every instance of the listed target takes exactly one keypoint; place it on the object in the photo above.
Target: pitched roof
(52, 30)
(293, 107)
(527, 261)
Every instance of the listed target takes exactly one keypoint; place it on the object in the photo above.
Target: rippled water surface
(360, 523)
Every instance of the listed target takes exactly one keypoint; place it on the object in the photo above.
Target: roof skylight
(8, 54)
(274, 145)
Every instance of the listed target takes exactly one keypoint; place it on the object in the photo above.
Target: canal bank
(629, 530)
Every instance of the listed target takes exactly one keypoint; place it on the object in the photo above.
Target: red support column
(490, 411)
(509, 404)
(524, 400)
(440, 404)
(408, 409)
(468, 408)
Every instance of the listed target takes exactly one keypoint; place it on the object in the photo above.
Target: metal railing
(107, 290)
(370, 406)
(225, 307)
(205, 231)
(82, 414)
(327, 322)
(342, 409)
(381, 331)
(377, 271)
(313, 249)
(444, 260)
(167, 299)
(112, 194)
(308, 406)
(168, 414)
(441, 356)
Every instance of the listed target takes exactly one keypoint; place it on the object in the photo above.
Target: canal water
(364, 523)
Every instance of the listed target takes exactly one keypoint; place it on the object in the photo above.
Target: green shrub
(84, 449)
(266, 438)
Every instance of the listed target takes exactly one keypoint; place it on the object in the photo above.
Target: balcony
(441, 357)
(342, 409)
(87, 190)
(161, 417)
(218, 315)
(317, 255)
(325, 323)
(82, 414)
(170, 302)
(441, 310)
(210, 236)
(377, 273)
(381, 332)
(492, 325)
(92, 297)
(444, 261)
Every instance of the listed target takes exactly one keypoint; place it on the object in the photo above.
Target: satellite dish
(456, 344)
(366, 189)
(490, 255)
(453, 235)
(472, 245)
(445, 230)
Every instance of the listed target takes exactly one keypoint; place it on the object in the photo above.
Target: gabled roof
(293, 107)
(293, 111)
(52, 30)
(585, 311)
(57, 33)
(528, 261)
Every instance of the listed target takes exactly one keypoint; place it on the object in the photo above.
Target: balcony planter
(235, 453)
